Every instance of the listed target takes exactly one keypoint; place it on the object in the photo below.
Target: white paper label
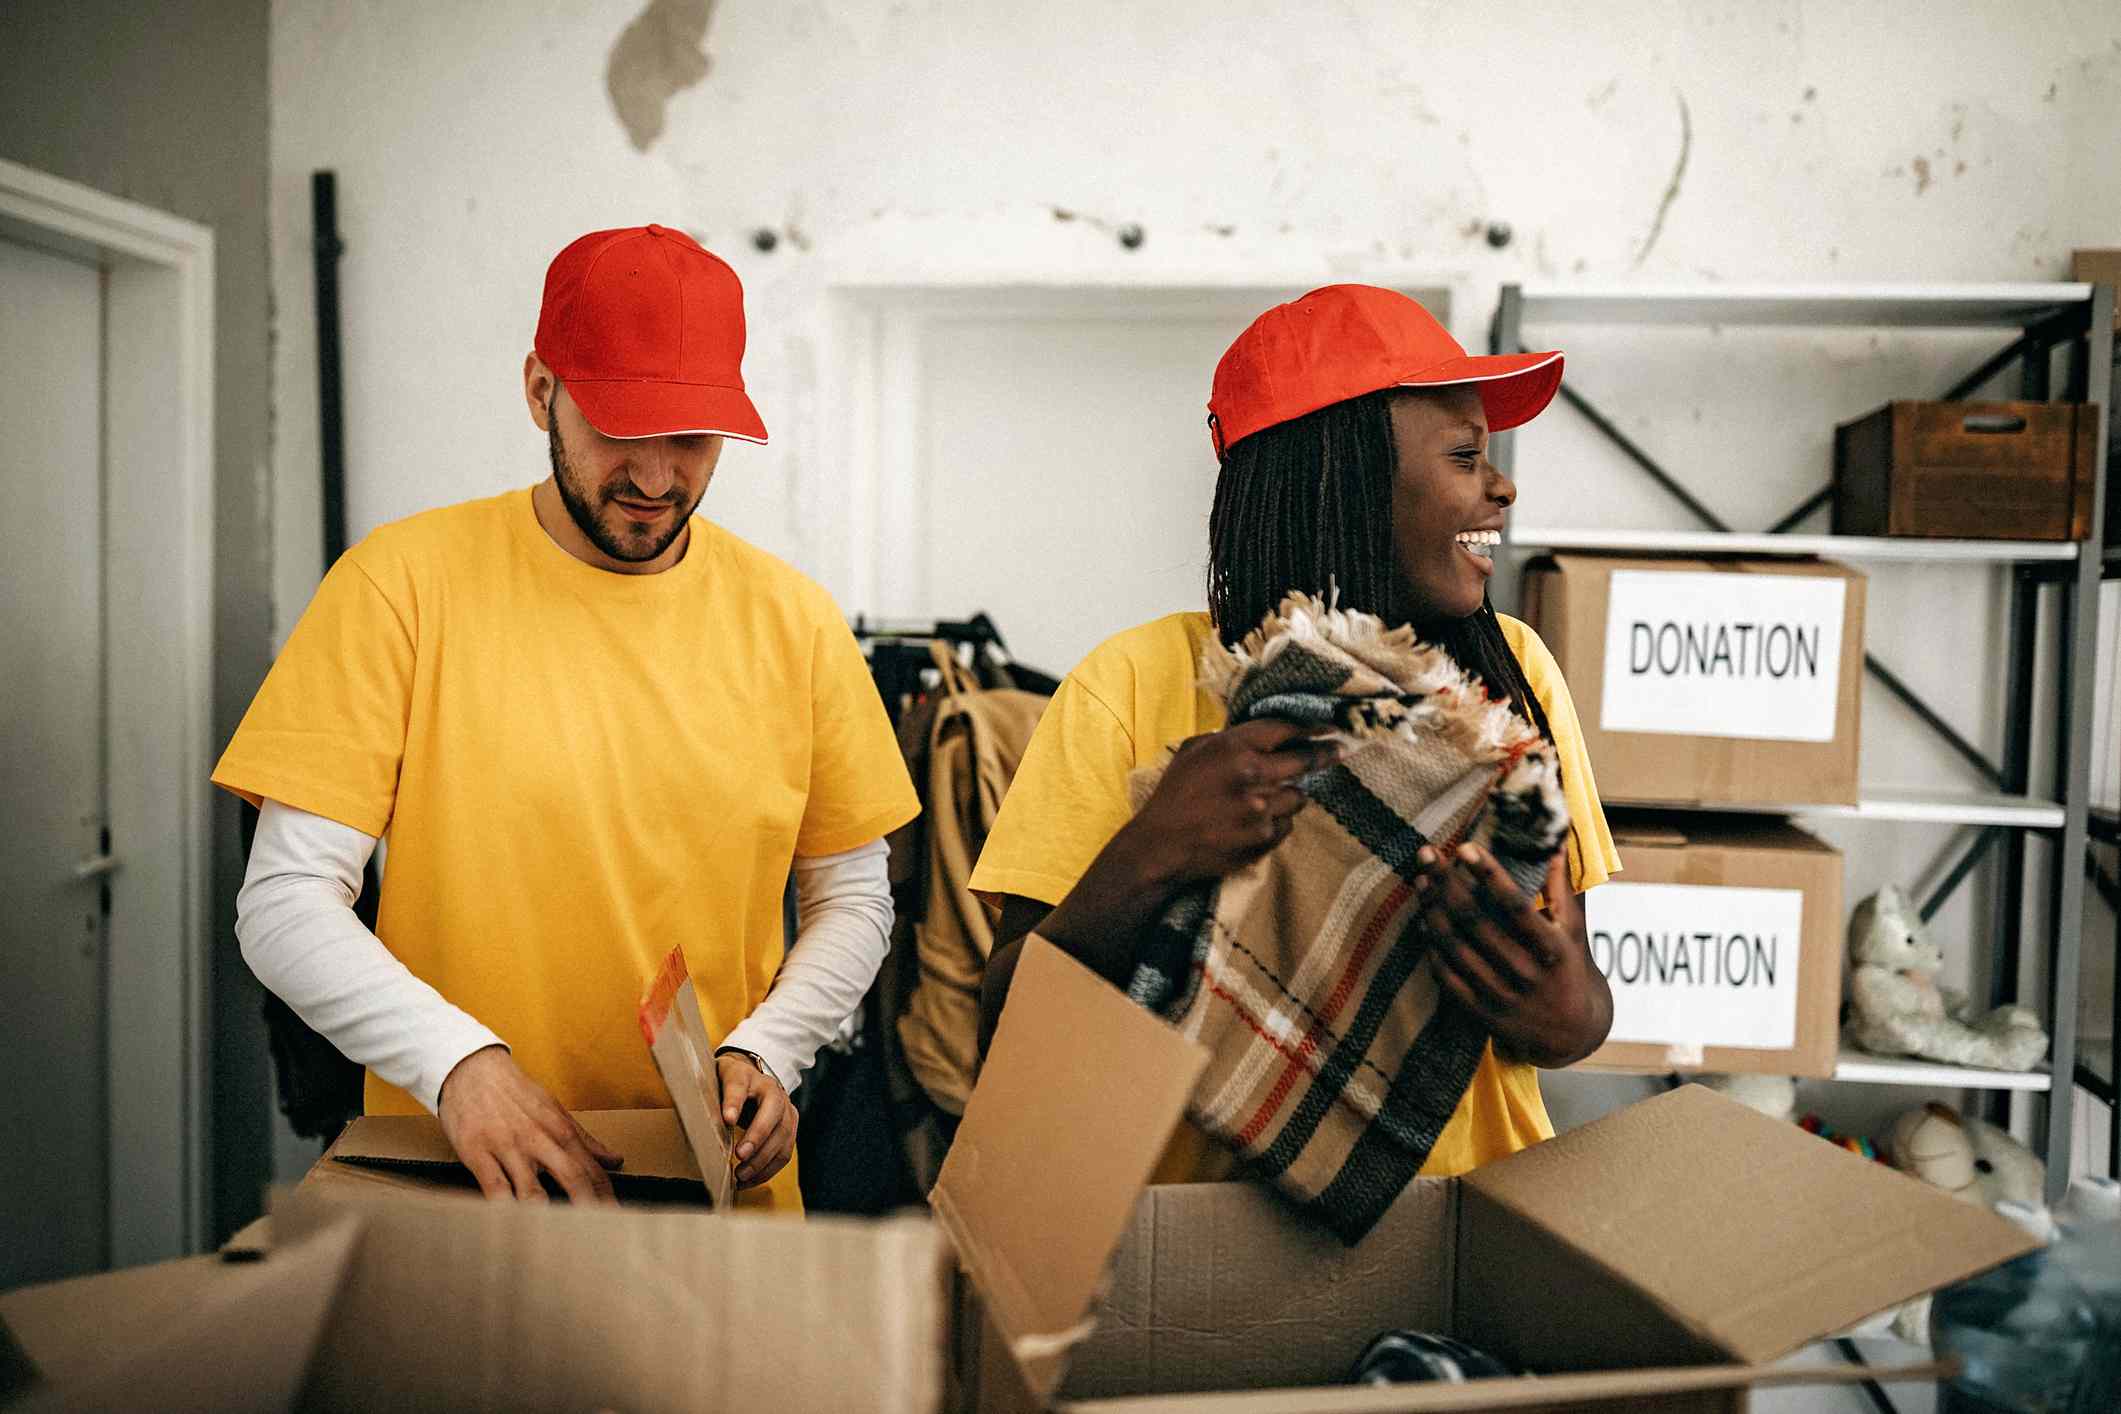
(1698, 965)
(1732, 655)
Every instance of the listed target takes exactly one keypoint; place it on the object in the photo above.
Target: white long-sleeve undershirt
(296, 924)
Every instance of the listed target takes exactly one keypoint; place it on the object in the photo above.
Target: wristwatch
(756, 1059)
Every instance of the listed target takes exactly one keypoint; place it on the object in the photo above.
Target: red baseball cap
(646, 329)
(1342, 341)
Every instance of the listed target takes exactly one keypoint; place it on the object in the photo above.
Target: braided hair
(1306, 504)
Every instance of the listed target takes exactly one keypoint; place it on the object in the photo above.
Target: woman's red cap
(1342, 341)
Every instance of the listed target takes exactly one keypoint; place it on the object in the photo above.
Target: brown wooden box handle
(1992, 422)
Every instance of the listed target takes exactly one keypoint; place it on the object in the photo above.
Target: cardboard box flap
(1745, 1230)
(684, 1056)
(452, 1305)
(1231, 1286)
(1623, 1389)
(1078, 1096)
(652, 1142)
(243, 1342)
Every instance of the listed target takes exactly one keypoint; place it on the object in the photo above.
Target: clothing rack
(901, 657)
(979, 629)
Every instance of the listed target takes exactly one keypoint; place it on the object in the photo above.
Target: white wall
(934, 141)
(1258, 144)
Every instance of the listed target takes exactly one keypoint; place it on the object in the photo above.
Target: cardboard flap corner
(1080, 1092)
(684, 1056)
(1746, 1230)
(242, 1342)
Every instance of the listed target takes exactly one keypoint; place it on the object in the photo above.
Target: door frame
(158, 389)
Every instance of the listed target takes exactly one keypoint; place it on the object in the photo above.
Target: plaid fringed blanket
(1336, 1057)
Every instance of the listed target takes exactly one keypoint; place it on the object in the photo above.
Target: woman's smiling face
(1447, 502)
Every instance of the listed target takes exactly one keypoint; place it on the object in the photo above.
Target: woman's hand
(1225, 799)
(1525, 972)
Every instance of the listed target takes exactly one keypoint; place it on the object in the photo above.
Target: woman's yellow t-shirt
(577, 771)
(1136, 695)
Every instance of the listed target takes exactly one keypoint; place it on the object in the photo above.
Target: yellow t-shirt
(577, 770)
(1138, 694)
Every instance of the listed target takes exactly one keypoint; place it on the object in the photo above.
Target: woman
(1353, 433)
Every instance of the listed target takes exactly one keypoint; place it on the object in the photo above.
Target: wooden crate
(2098, 267)
(1975, 471)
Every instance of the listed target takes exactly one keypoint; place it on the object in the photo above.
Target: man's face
(630, 496)
(1446, 500)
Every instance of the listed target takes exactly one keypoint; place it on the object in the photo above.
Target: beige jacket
(972, 753)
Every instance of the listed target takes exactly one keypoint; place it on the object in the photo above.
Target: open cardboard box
(1662, 1257)
(385, 1282)
(1658, 1259)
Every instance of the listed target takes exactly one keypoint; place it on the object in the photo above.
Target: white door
(54, 1156)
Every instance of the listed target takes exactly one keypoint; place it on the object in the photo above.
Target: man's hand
(1526, 973)
(1226, 798)
(768, 1140)
(507, 1130)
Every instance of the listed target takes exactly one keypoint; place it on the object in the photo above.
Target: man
(593, 727)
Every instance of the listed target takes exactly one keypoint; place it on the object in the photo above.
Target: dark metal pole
(1641, 458)
(2079, 658)
(2009, 927)
(1880, 1400)
(331, 427)
(2033, 343)
(1796, 517)
(1908, 698)
(1983, 842)
(2036, 372)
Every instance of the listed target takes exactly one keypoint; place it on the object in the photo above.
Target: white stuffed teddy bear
(1969, 1159)
(1896, 1007)
(1965, 1157)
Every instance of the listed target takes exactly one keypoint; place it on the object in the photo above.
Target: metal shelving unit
(2077, 318)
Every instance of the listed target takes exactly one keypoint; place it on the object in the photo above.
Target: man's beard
(633, 546)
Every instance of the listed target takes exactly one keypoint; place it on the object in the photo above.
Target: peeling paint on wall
(656, 57)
